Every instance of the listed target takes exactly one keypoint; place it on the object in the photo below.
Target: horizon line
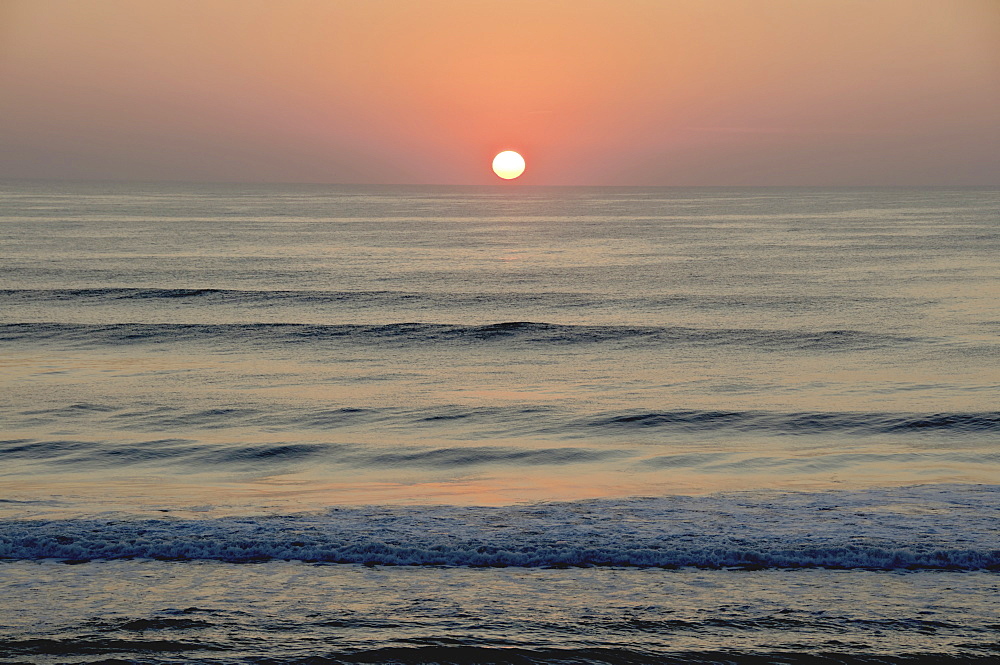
(497, 185)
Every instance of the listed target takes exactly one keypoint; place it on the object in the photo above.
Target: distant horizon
(498, 185)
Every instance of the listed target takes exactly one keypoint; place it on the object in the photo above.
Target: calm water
(607, 425)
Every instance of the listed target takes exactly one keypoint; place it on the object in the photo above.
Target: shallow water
(629, 381)
(148, 611)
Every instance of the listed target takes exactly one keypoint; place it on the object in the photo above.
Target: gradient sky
(616, 92)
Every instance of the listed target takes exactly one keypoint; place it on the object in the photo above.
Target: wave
(430, 299)
(797, 423)
(456, 653)
(82, 646)
(84, 454)
(490, 422)
(178, 455)
(405, 334)
(918, 528)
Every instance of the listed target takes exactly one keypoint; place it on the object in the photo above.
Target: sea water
(270, 424)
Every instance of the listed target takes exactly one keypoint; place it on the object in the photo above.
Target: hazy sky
(668, 92)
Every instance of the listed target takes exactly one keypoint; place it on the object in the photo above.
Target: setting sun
(265, 303)
(508, 165)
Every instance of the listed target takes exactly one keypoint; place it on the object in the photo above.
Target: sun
(508, 165)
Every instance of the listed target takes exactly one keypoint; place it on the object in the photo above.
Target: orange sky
(642, 92)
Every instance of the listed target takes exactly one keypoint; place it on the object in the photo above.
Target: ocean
(373, 424)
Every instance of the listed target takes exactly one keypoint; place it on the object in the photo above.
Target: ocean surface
(322, 424)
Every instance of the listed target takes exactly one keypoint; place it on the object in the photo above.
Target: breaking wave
(924, 527)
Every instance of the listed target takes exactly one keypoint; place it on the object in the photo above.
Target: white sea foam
(924, 527)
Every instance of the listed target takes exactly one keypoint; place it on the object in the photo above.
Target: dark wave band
(403, 334)
(428, 299)
(487, 422)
